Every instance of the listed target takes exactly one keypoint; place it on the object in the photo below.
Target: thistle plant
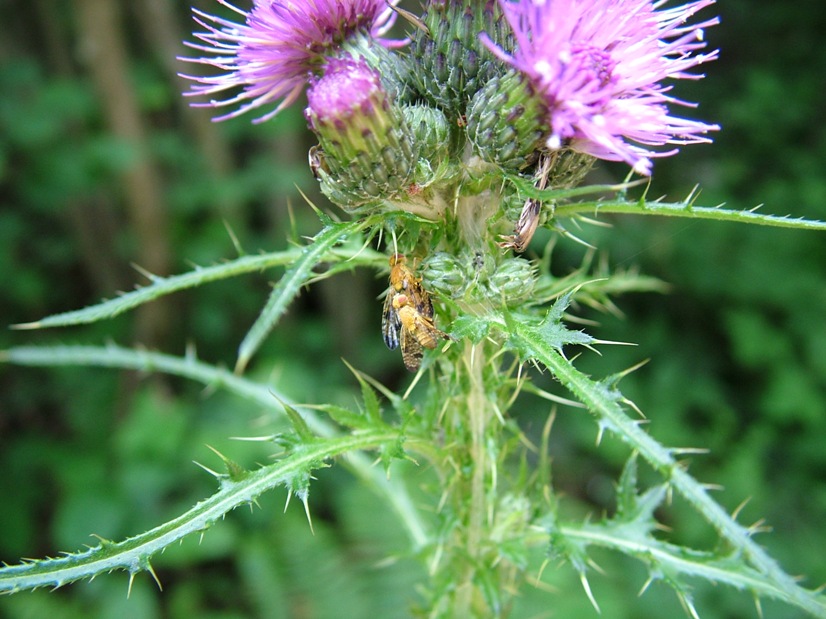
(444, 152)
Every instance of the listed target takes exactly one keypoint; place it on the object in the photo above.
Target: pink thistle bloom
(598, 65)
(277, 47)
(348, 85)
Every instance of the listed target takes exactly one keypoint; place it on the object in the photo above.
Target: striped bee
(407, 317)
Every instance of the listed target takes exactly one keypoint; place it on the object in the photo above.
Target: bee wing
(390, 322)
(425, 305)
(411, 351)
(420, 299)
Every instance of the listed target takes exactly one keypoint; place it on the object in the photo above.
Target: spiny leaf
(112, 356)
(402, 407)
(161, 286)
(551, 331)
(473, 328)
(344, 416)
(372, 408)
(290, 284)
(687, 210)
(392, 452)
(300, 426)
(606, 407)
(133, 554)
(627, 488)
(235, 472)
(672, 564)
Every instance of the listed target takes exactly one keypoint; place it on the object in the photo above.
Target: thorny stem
(478, 410)
(472, 213)
(479, 415)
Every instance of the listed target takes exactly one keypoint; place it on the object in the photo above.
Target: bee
(417, 331)
(407, 316)
(529, 217)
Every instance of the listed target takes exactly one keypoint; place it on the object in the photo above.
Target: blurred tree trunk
(103, 49)
(163, 35)
(91, 219)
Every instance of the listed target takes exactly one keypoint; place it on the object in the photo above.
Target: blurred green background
(103, 165)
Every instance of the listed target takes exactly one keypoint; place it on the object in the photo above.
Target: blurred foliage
(737, 348)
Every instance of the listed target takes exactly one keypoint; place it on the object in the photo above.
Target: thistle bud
(506, 121)
(514, 280)
(479, 278)
(445, 274)
(365, 142)
(432, 135)
(567, 168)
(449, 61)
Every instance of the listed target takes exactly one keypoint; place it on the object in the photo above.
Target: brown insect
(525, 227)
(528, 220)
(407, 317)
(317, 161)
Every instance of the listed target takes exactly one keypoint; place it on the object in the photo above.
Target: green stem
(479, 415)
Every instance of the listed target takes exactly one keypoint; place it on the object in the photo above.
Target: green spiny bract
(567, 168)
(433, 138)
(449, 62)
(506, 122)
(478, 278)
(366, 148)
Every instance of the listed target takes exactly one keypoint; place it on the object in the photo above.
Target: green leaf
(133, 554)
(606, 406)
(290, 284)
(299, 425)
(473, 328)
(344, 416)
(687, 210)
(393, 490)
(627, 489)
(372, 408)
(675, 564)
(161, 286)
(550, 331)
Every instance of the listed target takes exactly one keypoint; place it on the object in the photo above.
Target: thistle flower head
(277, 46)
(347, 85)
(364, 140)
(599, 65)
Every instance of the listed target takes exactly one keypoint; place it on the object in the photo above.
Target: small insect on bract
(407, 317)
(317, 161)
(529, 217)
(525, 227)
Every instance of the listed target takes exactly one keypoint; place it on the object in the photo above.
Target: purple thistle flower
(348, 86)
(280, 43)
(598, 65)
(366, 151)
